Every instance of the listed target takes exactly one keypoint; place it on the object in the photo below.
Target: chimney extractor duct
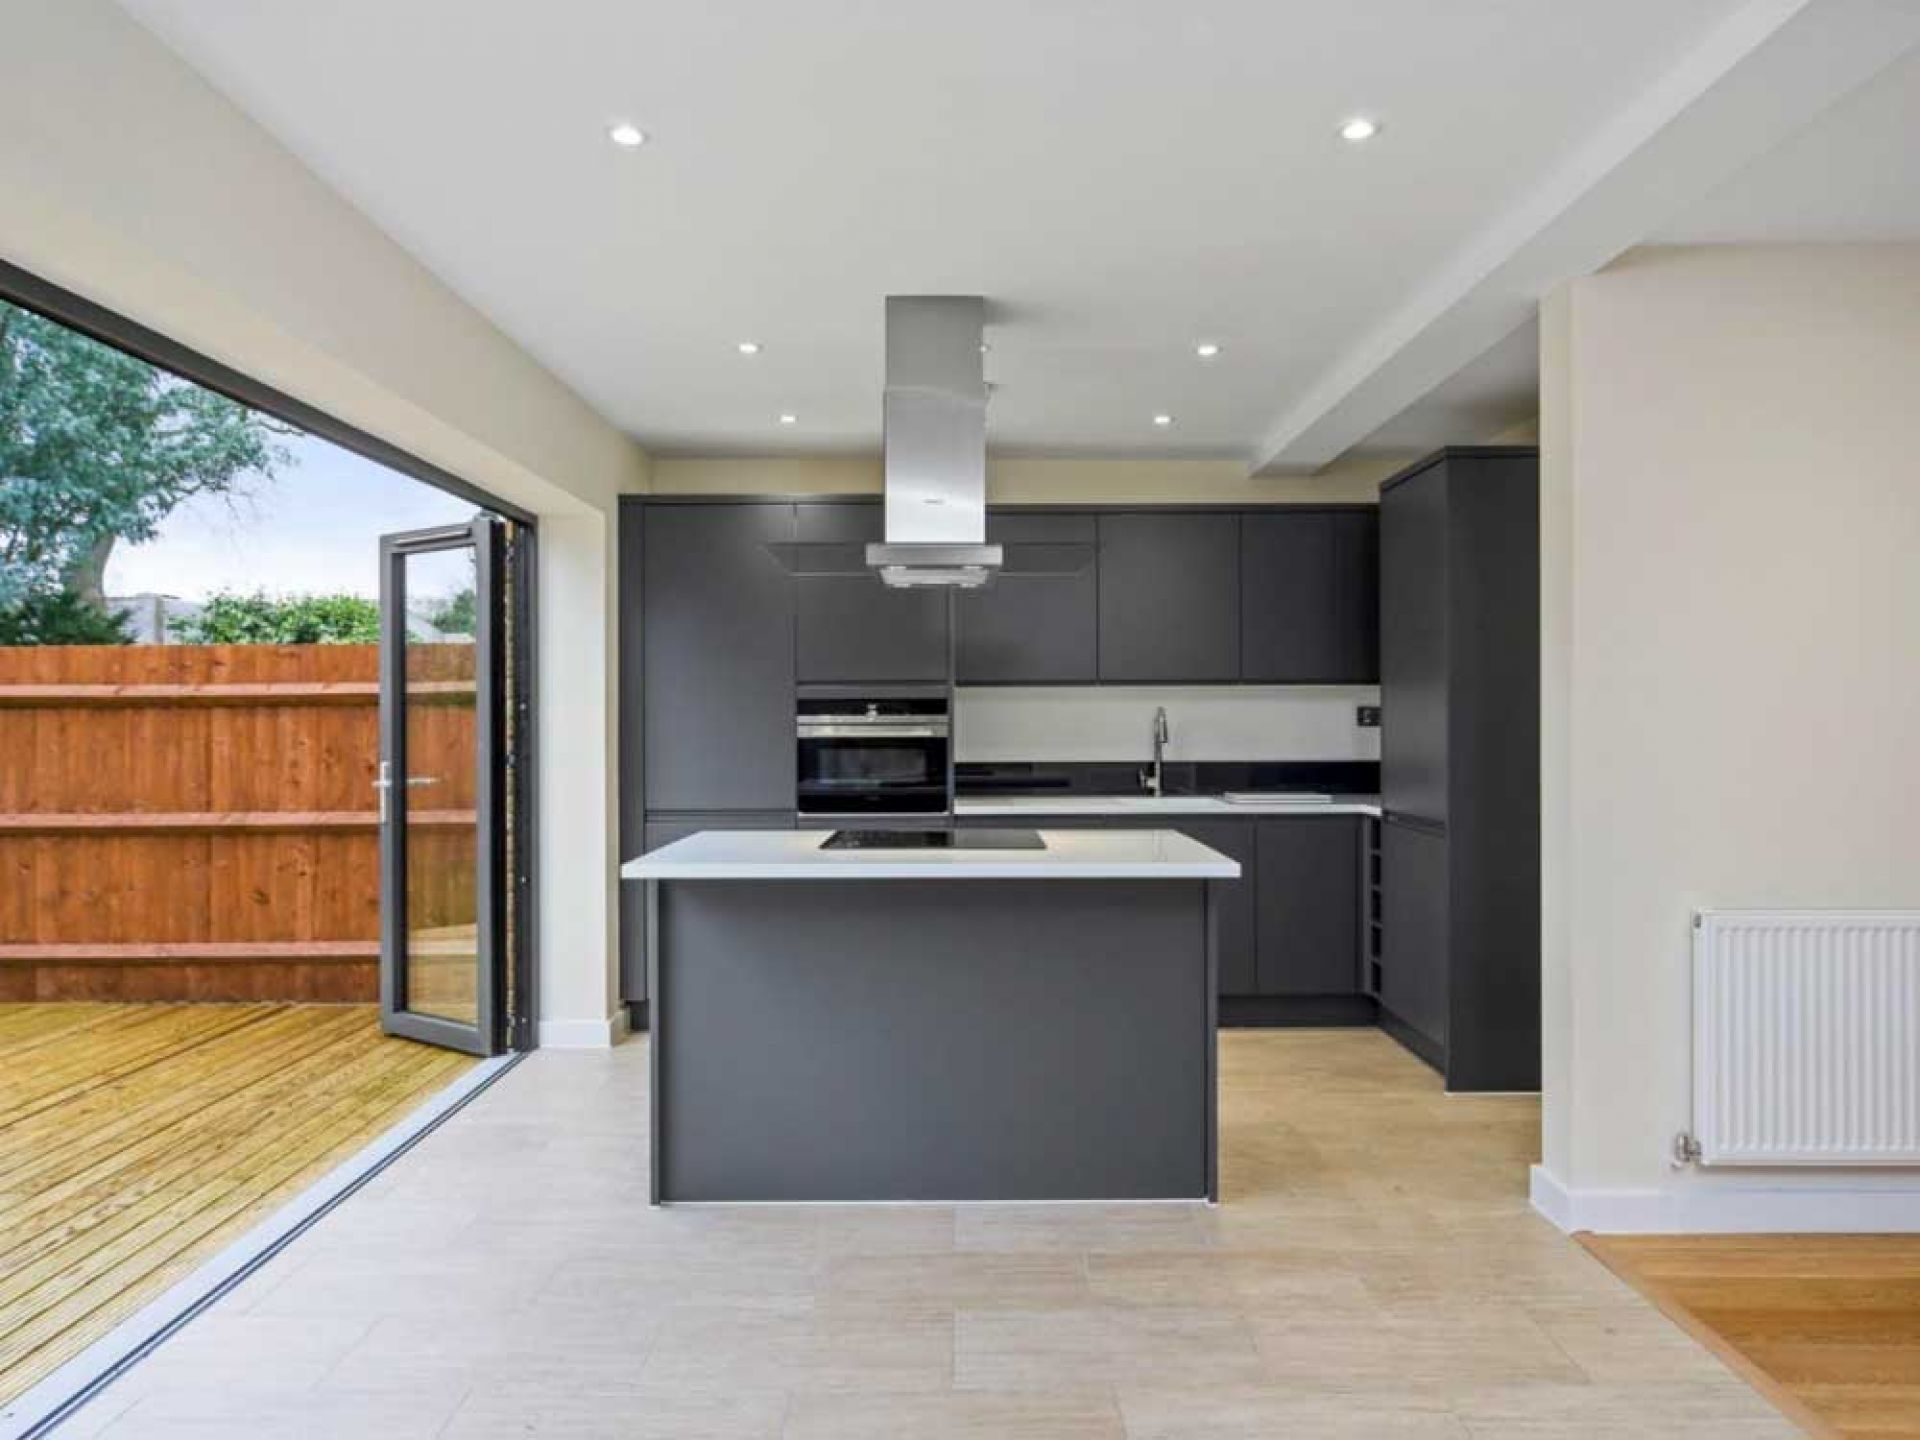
(935, 419)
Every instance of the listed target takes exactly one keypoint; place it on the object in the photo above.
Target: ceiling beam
(1758, 78)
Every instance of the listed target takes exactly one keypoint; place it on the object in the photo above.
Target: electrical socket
(1367, 717)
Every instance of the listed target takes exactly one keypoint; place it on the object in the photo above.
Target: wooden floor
(1827, 1325)
(135, 1140)
(1374, 1272)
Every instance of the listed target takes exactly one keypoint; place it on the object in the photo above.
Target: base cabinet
(1309, 906)
(1413, 966)
(1238, 937)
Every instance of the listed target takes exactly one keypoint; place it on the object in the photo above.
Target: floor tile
(1374, 1272)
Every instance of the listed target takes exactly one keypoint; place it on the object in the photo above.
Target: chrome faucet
(1153, 778)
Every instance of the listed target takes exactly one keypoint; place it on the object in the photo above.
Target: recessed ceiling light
(1359, 128)
(789, 419)
(749, 347)
(1163, 421)
(1206, 349)
(627, 135)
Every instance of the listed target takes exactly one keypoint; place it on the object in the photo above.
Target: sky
(314, 528)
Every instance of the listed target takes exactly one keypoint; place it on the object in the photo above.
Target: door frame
(88, 317)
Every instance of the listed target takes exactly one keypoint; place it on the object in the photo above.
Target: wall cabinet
(1308, 909)
(716, 634)
(851, 629)
(1037, 623)
(1309, 597)
(1169, 597)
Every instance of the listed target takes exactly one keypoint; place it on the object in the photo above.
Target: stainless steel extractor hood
(936, 445)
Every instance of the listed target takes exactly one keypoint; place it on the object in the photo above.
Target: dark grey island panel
(933, 1040)
(1027, 1017)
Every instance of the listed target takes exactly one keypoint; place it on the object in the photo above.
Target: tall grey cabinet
(1460, 764)
(703, 745)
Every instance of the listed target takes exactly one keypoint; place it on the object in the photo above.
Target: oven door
(872, 770)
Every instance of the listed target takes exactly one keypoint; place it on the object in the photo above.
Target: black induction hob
(935, 840)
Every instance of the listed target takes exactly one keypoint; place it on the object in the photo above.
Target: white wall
(129, 180)
(1113, 722)
(1731, 575)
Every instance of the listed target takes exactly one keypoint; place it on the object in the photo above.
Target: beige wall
(1017, 481)
(1731, 568)
(126, 178)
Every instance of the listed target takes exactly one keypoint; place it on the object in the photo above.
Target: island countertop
(1069, 855)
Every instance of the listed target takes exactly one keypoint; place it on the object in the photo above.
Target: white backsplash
(1209, 722)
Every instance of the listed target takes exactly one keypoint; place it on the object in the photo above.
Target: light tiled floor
(1373, 1272)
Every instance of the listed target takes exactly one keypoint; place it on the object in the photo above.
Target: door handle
(384, 782)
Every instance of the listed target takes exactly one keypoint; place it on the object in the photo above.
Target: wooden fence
(187, 822)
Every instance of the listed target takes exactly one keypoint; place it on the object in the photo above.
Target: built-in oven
(883, 755)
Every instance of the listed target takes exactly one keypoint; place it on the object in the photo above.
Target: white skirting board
(1705, 1205)
(583, 1034)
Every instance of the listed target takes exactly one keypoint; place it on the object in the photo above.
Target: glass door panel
(442, 822)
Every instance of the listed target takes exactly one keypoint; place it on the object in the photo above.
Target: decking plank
(139, 1139)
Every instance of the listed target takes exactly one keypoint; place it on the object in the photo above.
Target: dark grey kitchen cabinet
(1413, 648)
(1308, 905)
(1026, 820)
(1238, 936)
(1169, 597)
(1460, 760)
(1415, 931)
(851, 629)
(1038, 621)
(1355, 601)
(715, 631)
(1309, 597)
(664, 830)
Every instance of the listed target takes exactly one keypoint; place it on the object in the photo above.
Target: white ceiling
(1495, 391)
(1120, 178)
(1854, 174)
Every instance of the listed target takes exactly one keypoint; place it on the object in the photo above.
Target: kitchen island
(954, 1024)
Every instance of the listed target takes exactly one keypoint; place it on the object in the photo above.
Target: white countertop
(1147, 806)
(1070, 855)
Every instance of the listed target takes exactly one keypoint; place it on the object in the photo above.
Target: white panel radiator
(1806, 1037)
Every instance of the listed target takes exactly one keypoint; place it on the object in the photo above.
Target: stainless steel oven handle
(865, 721)
(835, 730)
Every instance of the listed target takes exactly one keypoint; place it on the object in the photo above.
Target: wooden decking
(1827, 1326)
(136, 1140)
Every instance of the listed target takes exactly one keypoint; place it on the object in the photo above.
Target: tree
(57, 618)
(97, 447)
(262, 619)
(456, 615)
